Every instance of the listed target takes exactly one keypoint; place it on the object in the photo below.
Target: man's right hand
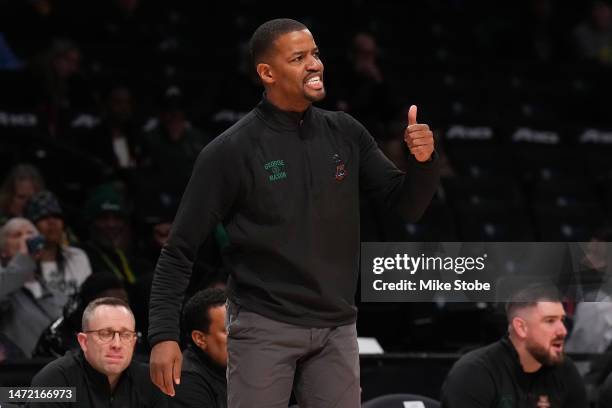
(166, 361)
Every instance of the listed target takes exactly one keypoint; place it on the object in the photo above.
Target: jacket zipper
(307, 159)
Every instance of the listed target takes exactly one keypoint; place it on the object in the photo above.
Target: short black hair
(529, 296)
(264, 36)
(196, 313)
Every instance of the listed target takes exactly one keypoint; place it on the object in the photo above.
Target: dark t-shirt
(492, 377)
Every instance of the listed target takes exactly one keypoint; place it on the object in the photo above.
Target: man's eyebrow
(299, 52)
(553, 315)
(122, 328)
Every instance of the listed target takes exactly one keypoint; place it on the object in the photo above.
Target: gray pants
(268, 358)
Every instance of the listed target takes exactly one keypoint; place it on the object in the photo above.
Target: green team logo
(276, 168)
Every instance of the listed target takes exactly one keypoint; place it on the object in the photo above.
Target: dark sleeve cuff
(433, 161)
(158, 338)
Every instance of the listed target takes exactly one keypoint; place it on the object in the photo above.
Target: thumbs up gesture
(418, 137)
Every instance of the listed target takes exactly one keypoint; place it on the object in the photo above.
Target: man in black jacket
(525, 370)
(285, 182)
(203, 382)
(103, 371)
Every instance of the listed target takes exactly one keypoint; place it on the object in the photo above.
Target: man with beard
(285, 183)
(526, 369)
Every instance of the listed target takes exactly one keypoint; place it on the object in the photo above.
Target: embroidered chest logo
(340, 167)
(276, 170)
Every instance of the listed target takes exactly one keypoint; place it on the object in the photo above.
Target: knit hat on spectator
(41, 205)
(105, 199)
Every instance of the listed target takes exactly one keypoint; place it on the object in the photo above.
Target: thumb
(412, 113)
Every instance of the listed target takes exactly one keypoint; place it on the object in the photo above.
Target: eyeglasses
(107, 335)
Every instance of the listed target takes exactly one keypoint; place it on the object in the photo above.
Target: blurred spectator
(114, 140)
(172, 147)
(592, 331)
(19, 185)
(29, 309)
(540, 37)
(110, 250)
(19, 17)
(8, 60)
(109, 231)
(63, 90)
(17, 266)
(103, 371)
(593, 36)
(128, 35)
(203, 380)
(156, 211)
(126, 20)
(364, 56)
(592, 323)
(362, 89)
(60, 336)
(62, 267)
(14, 238)
(229, 107)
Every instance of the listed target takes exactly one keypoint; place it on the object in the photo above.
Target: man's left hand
(418, 137)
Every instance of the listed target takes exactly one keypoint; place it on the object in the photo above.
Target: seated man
(526, 369)
(203, 382)
(103, 371)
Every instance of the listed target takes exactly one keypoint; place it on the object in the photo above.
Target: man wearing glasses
(103, 371)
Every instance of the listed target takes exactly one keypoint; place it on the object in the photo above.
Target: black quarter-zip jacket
(203, 382)
(286, 186)
(133, 390)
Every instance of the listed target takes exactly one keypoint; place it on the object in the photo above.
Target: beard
(545, 356)
(319, 96)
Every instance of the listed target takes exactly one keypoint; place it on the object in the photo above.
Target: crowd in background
(105, 105)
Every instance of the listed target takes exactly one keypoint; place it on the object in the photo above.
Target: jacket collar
(96, 378)
(280, 119)
(207, 363)
(516, 359)
(505, 341)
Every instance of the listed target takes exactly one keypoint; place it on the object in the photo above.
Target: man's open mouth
(557, 346)
(314, 82)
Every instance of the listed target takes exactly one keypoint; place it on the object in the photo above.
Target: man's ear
(265, 73)
(82, 339)
(520, 327)
(199, 338)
